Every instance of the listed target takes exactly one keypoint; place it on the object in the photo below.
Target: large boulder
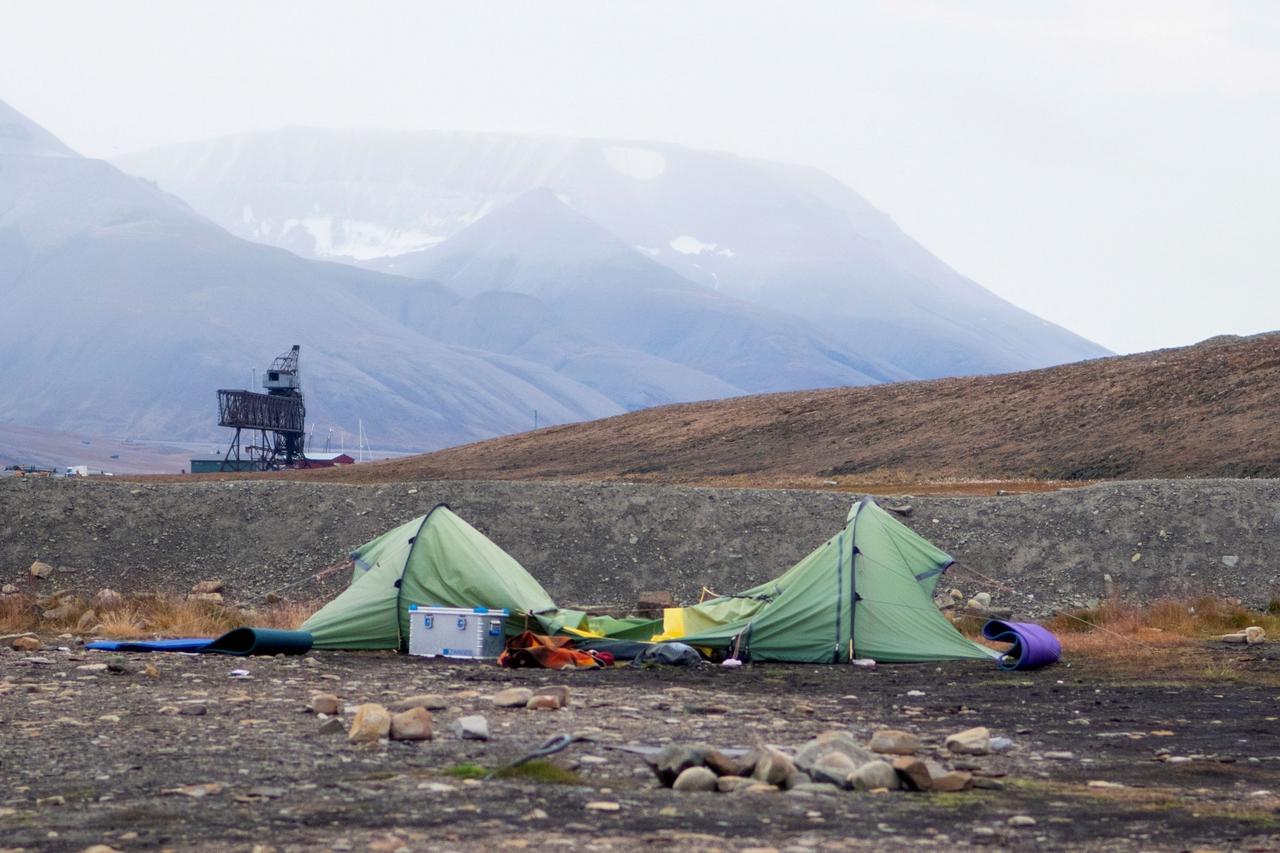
(833, 741)
(895, 742)
(414, 724)
(974, 741)
(676, 758)
(774, 767)
(372, 722)
(834, 768)
(695, 779)
(873, 775)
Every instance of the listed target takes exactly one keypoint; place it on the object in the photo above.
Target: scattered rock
(60, 613)
(895, 742)
(834, 741)
(975, 741)
(774, 767)
(1230, 560)
(872, 775)
(41, 570)
(512, 697)
(695, 779)
(1021, 821)
(757, 788)
(1060, 755)
(371, 723)
(904, 510)
(211, 597)
(559, 693)
(603, 806)
(543, 702)
(983, 599)
(1254, 635)
(86, 621)
(26, 644)
(8, 589)
(674, 759)
(820, 788)
(725, 765)
(729, 784)
(193, 710)
(943, 780)
(913, 772)
(472, 727)
(796, 779)
(107, 598)
(325, 703)
(414, 724)
(430, 701)
(206, 587)
(1001, 744)
(332, 726)
(99, 848)
(834, 768)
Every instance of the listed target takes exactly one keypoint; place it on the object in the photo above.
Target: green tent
(865, 593)
(437, 559)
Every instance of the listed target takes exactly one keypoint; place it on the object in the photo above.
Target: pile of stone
(828, 764)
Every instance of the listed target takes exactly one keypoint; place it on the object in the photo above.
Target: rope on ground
(552, 745)
(312, 578)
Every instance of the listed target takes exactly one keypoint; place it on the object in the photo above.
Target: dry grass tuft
(1155, 640)
(145, 616)
(1165, 621)
(17, 613)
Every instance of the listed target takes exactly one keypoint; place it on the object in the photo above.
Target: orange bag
(538, 650)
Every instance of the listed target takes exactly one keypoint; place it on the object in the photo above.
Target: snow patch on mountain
(686, 245)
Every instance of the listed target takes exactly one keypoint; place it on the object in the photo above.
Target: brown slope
(1202, 411)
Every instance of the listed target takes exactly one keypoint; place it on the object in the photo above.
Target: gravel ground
(193, 757)
(604, 543)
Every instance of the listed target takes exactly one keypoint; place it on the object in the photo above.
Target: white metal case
(456, 632)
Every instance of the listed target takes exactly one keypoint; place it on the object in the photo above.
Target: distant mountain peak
(21, 135)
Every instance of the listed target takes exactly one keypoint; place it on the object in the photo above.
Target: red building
(327, 460)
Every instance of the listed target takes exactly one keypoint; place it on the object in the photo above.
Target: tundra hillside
(1200, 411)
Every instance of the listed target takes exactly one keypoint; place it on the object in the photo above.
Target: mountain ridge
(785, 237)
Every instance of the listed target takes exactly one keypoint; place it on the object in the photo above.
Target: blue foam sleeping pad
(240, 642)
(1032, 645)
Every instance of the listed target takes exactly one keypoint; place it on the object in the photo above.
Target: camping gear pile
(866, 593)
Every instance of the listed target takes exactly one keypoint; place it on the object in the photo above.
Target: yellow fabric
(672, 624)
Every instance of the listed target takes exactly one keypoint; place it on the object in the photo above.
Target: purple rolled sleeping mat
(1032, 645)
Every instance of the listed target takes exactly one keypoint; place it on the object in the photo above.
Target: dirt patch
(605, 543)
(198, 758)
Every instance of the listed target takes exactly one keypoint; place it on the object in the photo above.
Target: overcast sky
(1112, 166)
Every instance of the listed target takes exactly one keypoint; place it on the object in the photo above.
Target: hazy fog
(1111, 167)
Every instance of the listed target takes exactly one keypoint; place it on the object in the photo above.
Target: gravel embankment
(604, 543)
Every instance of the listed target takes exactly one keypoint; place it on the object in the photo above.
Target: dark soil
(114, 748)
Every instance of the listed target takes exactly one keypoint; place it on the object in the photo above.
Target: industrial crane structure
(278, 417)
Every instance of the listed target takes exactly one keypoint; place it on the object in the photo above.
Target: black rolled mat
(240, 642)
(260, 641)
